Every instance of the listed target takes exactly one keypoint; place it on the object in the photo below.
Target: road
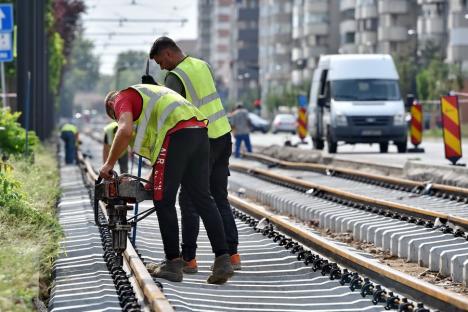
(434, 150)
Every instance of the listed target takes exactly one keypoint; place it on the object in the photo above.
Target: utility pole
(32, 57)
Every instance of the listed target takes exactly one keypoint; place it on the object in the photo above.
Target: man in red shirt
(183, 160)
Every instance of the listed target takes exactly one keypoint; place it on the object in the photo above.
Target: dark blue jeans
(70, 146)
(239, 139)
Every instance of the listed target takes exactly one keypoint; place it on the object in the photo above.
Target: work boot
(236, 262)
(170, 270)
(222, 270)
(191, 266)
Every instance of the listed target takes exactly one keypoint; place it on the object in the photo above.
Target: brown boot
(191, 266)
(222, 270)
(170, 270)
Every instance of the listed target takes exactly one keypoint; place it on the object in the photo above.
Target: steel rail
(454, 190)
(418, 289)
(385, 204)
(154, 297)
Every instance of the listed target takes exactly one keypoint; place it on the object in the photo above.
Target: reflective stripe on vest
(154, 97)
(195, 100)
(204, 96)
(162, 110)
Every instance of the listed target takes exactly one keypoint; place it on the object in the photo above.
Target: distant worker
(240, 123)
(109, 134)
(69, 134)
(172, 134)
(192, 78)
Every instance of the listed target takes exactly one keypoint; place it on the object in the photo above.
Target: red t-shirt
(130, 101)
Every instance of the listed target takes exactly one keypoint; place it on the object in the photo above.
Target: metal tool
(117, 193)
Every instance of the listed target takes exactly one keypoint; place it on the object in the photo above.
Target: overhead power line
(111, 34)
(122, 20)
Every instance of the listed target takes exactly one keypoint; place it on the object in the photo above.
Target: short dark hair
(163, 43)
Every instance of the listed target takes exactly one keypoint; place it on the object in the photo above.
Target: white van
(356, 99)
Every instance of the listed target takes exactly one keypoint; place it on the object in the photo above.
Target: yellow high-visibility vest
(200, 90)
(69, 127)
(109, 131)
(162, 110)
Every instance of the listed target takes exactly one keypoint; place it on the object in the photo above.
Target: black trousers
(187, 164)
(220, 151)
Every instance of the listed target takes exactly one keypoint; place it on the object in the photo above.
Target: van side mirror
(409, 101)
(323, 101)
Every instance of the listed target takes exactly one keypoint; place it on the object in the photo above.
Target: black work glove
(148, 79)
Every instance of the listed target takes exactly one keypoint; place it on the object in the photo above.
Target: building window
(347, 14)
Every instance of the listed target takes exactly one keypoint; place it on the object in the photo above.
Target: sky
(107, 47)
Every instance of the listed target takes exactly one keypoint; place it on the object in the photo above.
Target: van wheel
(401, 146)
(318, 144)
(331, 145)
(383, 147)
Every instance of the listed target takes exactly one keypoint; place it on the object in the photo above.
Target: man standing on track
(192, 78)
(109, 134)
(172, 134)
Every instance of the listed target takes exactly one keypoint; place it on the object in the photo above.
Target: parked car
(284, 123)
(258, 123)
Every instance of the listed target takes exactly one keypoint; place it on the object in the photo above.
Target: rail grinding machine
(117, 194)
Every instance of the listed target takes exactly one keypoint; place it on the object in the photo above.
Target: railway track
(407, 231)
(282, 273)
(428, 189)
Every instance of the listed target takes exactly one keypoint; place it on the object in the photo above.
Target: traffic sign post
(416, 128)
(302, 118)
(451, 128)
(6, 43)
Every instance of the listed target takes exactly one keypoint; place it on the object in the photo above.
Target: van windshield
(365, 90)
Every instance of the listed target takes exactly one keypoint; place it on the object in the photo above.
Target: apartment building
(244, 52)
(275, 45)
(347, 26)
(220, 43)
(205, 8)
(457, 24)
(315, 31)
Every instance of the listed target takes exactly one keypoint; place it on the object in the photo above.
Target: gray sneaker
(170, 270)
(222, 270)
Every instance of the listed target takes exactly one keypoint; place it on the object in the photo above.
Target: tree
(131, 65)
(407, 71)
(82, 74)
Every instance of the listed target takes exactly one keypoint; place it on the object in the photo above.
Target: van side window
(323, 80)
(327, 92)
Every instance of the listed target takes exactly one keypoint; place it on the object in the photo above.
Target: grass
(29, 230)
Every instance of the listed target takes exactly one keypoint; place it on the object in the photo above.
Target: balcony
(347, 26)
(393, 33)
(368, 11)
(316, 29)
(347, 5)
(393, 7)
(316, 6)
(366, 38)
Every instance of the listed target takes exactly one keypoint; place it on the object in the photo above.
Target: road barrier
(416, 128)
(451, 127)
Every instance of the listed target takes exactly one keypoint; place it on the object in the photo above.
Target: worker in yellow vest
(171, 133)
(69, 134)
(192, 78)
(109, 133)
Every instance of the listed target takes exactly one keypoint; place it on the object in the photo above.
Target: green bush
(13, 136)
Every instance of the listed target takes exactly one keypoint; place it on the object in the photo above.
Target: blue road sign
(6, 47)
(6, 17)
